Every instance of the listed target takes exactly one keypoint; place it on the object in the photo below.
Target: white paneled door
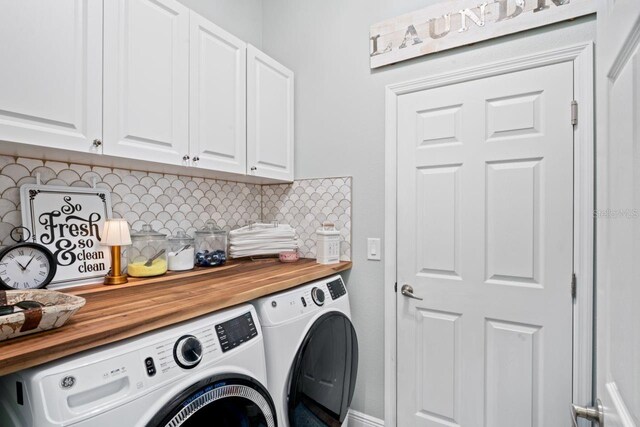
(485, 229)
(218, 101)
(618, 214)
(146, 80)
(51, 73)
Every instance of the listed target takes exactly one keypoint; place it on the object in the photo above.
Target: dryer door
(221, 401)
(324, 372)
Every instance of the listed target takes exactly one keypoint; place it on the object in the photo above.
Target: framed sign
(454, 23)
(69, 221)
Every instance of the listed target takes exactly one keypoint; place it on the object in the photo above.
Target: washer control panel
(107, 376)
(236, 331)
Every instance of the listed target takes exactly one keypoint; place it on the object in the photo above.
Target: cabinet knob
(196, 159)
(185, 157)
(253, 168)
(97, 143)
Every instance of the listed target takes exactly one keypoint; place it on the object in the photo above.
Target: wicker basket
(57, 309)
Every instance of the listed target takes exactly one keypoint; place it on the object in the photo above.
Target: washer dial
(187, 352)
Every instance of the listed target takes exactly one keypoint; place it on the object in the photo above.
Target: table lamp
(115, 234)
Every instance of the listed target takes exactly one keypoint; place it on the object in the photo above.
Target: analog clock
(25, 266)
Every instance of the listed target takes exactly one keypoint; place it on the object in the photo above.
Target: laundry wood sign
(460, 22)
(69, 221)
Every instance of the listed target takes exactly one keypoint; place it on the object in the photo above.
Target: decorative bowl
(289, 256)
(56, 309)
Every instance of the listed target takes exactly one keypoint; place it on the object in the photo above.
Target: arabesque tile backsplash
(171, 202)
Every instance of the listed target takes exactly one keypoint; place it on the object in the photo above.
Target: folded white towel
(262, 239)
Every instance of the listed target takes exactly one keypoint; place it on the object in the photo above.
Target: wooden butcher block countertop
(113, 313)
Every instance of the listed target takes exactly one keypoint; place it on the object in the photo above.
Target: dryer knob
(317, 295)
(187, 352)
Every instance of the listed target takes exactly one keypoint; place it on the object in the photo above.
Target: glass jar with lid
(211, 245)
(181, 254)
(147, 255)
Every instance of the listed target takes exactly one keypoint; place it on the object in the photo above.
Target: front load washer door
(221, 401)
(323, 375)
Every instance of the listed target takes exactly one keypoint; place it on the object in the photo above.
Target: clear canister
(147, 255)
(211, 245)
(181, 254)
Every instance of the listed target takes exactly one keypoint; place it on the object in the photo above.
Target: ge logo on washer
(68, 382)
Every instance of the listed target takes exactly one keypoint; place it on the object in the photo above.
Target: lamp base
(115, 280)
(118, 278)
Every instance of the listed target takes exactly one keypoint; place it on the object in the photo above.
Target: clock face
(25, 267)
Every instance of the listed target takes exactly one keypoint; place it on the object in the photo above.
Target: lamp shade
(115, 233)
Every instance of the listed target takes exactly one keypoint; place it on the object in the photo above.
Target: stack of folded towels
(262, 239)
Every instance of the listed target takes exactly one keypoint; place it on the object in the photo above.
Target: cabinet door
(51, 73)
(217, 114)
(269, 117)
(146, 80)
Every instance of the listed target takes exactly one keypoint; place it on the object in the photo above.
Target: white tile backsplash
(171, 202)
(306, 204)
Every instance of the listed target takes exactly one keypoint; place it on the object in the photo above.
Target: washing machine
(207, 371)
(312, 353)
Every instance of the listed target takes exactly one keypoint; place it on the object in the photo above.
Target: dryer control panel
(336, 288)
(302, 301)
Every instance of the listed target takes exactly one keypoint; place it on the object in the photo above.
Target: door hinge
(574, 112)
(573, 286)
(395, 287)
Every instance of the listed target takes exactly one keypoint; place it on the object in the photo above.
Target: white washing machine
(208, 371)
(312, 353)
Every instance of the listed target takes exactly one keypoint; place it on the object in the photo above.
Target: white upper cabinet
(146, 80)
(217, 115)
(51, 73)
(269, 117)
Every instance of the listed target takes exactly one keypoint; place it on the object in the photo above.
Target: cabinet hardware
(196, 159)
(97, 143)
(185, 157)
(253, 168)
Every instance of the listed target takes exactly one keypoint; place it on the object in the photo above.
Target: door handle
(407, 291)
(588, 413)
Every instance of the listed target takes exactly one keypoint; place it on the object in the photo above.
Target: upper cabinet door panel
(269, 117)
(217, 98)
(51, 73)
(146, 80)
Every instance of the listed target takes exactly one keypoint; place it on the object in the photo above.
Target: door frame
(581, 56)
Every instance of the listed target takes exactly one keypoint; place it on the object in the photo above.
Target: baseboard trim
(358, 419)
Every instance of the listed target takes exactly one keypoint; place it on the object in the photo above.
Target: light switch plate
(373, 249)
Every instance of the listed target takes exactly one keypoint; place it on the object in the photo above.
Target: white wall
(242, 18)
(340, 125)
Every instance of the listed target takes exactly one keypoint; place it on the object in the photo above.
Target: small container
(147, 255)
(182, 251)
(289, 256)
(211, 245)
(327, 244)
